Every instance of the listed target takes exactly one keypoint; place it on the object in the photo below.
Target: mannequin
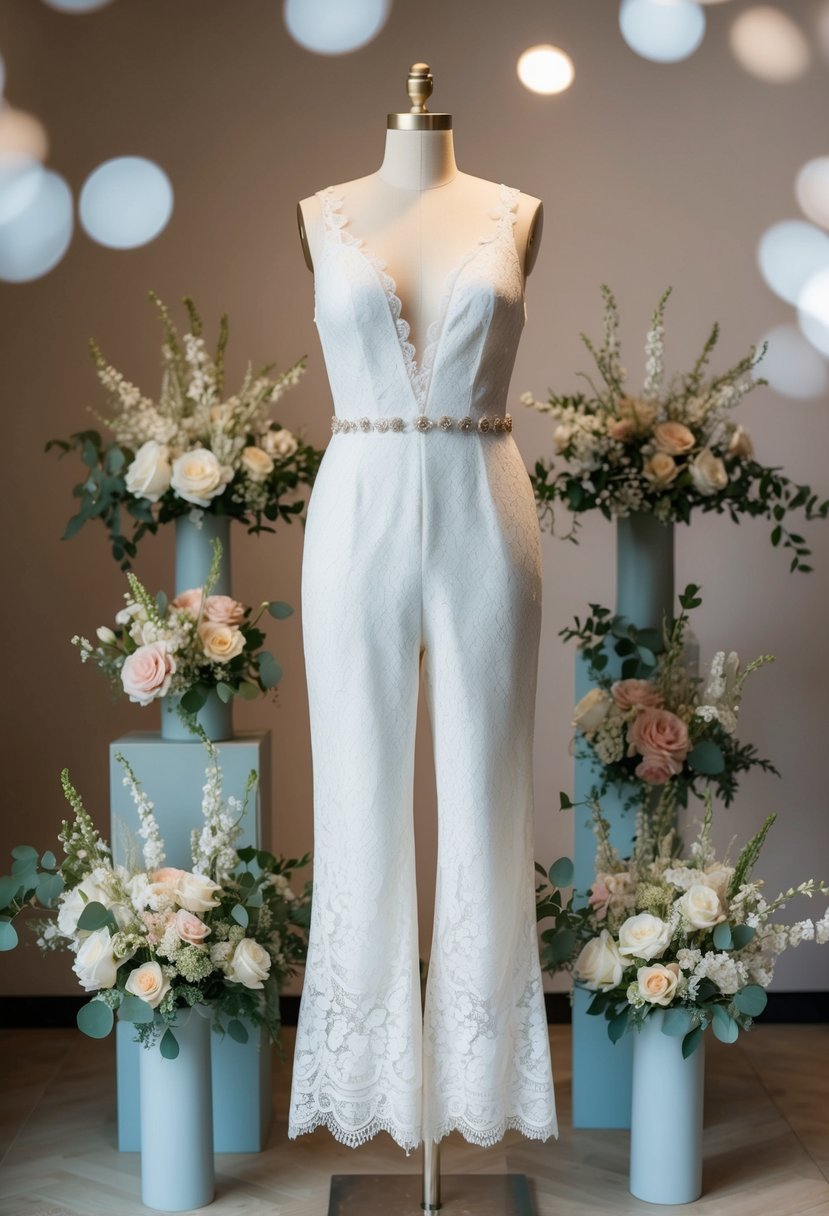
(422, 561)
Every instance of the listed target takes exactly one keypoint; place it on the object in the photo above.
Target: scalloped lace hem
(473, 1135)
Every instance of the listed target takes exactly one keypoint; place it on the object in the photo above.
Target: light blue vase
(194, 552)
(177, 1119)
(666, 1116)
(215, 719)
(644, 570)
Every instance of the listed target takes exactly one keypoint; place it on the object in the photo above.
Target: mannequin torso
(420, 215)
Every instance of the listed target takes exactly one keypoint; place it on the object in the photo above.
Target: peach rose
(221, 643)
(149, 983)
(660, 469)
(658, 732)
(631, 694)
(189, 601)
(656, 770)
(621, 429)
(147, 672)
(640, 414)
(657, 984)
(189, 928)
(673, 438)
(257, 463)
(223, 610)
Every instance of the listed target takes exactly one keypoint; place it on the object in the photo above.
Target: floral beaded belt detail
(494, 424)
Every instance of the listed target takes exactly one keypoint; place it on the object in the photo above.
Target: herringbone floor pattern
(766, 1139)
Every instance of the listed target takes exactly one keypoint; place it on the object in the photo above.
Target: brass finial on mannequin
(419, 85)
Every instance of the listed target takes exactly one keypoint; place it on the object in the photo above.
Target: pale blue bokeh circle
(37, 235)
(76, 6)
(789, 253)
(125, 202)
(335, 27)
(662, 30)
(792, 366)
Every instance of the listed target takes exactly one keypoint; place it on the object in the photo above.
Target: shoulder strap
(330, 205)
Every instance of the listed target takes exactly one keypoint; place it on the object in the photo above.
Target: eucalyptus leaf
(9, 887)
(561, 872)
(224, 691)
(24, 852)
(279, 609)
(94, 916)
(270, 672)
(724, 1026)
(246, 880)
(677, 1022)
(8, 935)
(74, 526)
(741, 935)
(48, 889)
(617, 1026)
(194, 699)
(647, 656)
(161, 603)
(248, 691)
(565, 803)
(25, 868)
(95, 1019)
(168, 1045)
(237, 1031)
(722, 936)
(691, 1042)
(133, 1009)
(48, 860)
(751, 1000)
(247, 853)
(562, 944)
(240, 915)
(706, 758)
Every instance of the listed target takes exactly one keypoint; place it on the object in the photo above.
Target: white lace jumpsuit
(422, 544)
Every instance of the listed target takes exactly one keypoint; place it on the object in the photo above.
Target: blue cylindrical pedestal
(644, 570)
(666, 1117)
(177, 1120)
(194, 552)
(215, 719)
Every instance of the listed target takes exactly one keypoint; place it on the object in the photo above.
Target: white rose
(221, 643)
(740, 443)
(561, 437)
(708, 472)
(600, 965)
(256, 463)
(106, 635)
(149, 474)
(701, 906)
(198, 477)
(250, 964)
(591, 710)
(149, 983)
(196, 892)
(90, 890)
(95, 964)
(657, 984)
(280, 444)
(644, 936)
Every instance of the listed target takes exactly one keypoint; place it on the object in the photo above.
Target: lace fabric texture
(421, 556)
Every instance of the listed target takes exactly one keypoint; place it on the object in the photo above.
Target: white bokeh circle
(125, 202)
(35, 238)
(335, 27)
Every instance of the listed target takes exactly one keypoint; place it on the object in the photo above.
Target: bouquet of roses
(152, 939)
(669, 451)
(689, 934)
(185, 647)
(656, 725)
(193, 450)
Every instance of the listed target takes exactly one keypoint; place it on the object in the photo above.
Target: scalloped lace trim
(473, 1135)
(418, 371)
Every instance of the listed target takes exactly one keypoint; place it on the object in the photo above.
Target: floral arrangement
(670, 450)
(186, 647)
(656, 725)
(193, 450)
(689, 934)
(150, 940)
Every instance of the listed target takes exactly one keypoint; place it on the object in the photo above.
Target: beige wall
(651, 175)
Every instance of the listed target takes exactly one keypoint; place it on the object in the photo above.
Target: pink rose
(189, 601)
(630, 694)
(673, 438)
(657, 734)
(147, 672)
(599, 899)
(189, 928)
(222, 610)
(621, 429)
(656, 769)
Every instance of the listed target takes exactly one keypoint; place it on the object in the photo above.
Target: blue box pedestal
(602, 1071)
(172, 774)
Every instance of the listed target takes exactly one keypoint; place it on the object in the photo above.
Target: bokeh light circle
(769, 44)
(335, 27)
(812, 190)
(662, 30)
(35, 239)
(77, 6)
(545, 69)
(789, 253)
(125, 202)
(791, 364)
(813, 310)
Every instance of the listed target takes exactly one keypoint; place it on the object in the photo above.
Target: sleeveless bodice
(466, 364)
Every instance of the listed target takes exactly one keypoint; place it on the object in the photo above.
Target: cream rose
(701, 906)
(149, 983)
(221, 643)
(561, 437)
(599, 965)
(673, 438)
(708, 472)
(640, 413)
(280, 444)
(198, 477)
(256, 463)
(621, 429)
(95, 965)
(591, 710)
(223, 610)
(189, 601)
(146, 673)
(657, 984)
(644, 936)
(73, 902)
(149, 474)
(196, 892)
(660, 469)
(190, 929)
(740, 443)
(658, 732)
(250, 964)
(717, 876)
(630, 694)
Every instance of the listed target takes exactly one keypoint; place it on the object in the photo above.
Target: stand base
(402, 1195)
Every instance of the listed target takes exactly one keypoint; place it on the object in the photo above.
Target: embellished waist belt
(495, 424)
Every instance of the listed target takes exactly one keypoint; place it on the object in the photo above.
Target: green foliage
(95, 1019)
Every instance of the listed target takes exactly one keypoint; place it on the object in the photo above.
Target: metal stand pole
(431, 1176)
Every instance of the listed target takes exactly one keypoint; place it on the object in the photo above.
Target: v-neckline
(418, 367)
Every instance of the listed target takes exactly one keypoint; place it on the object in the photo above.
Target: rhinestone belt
(495, 424)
